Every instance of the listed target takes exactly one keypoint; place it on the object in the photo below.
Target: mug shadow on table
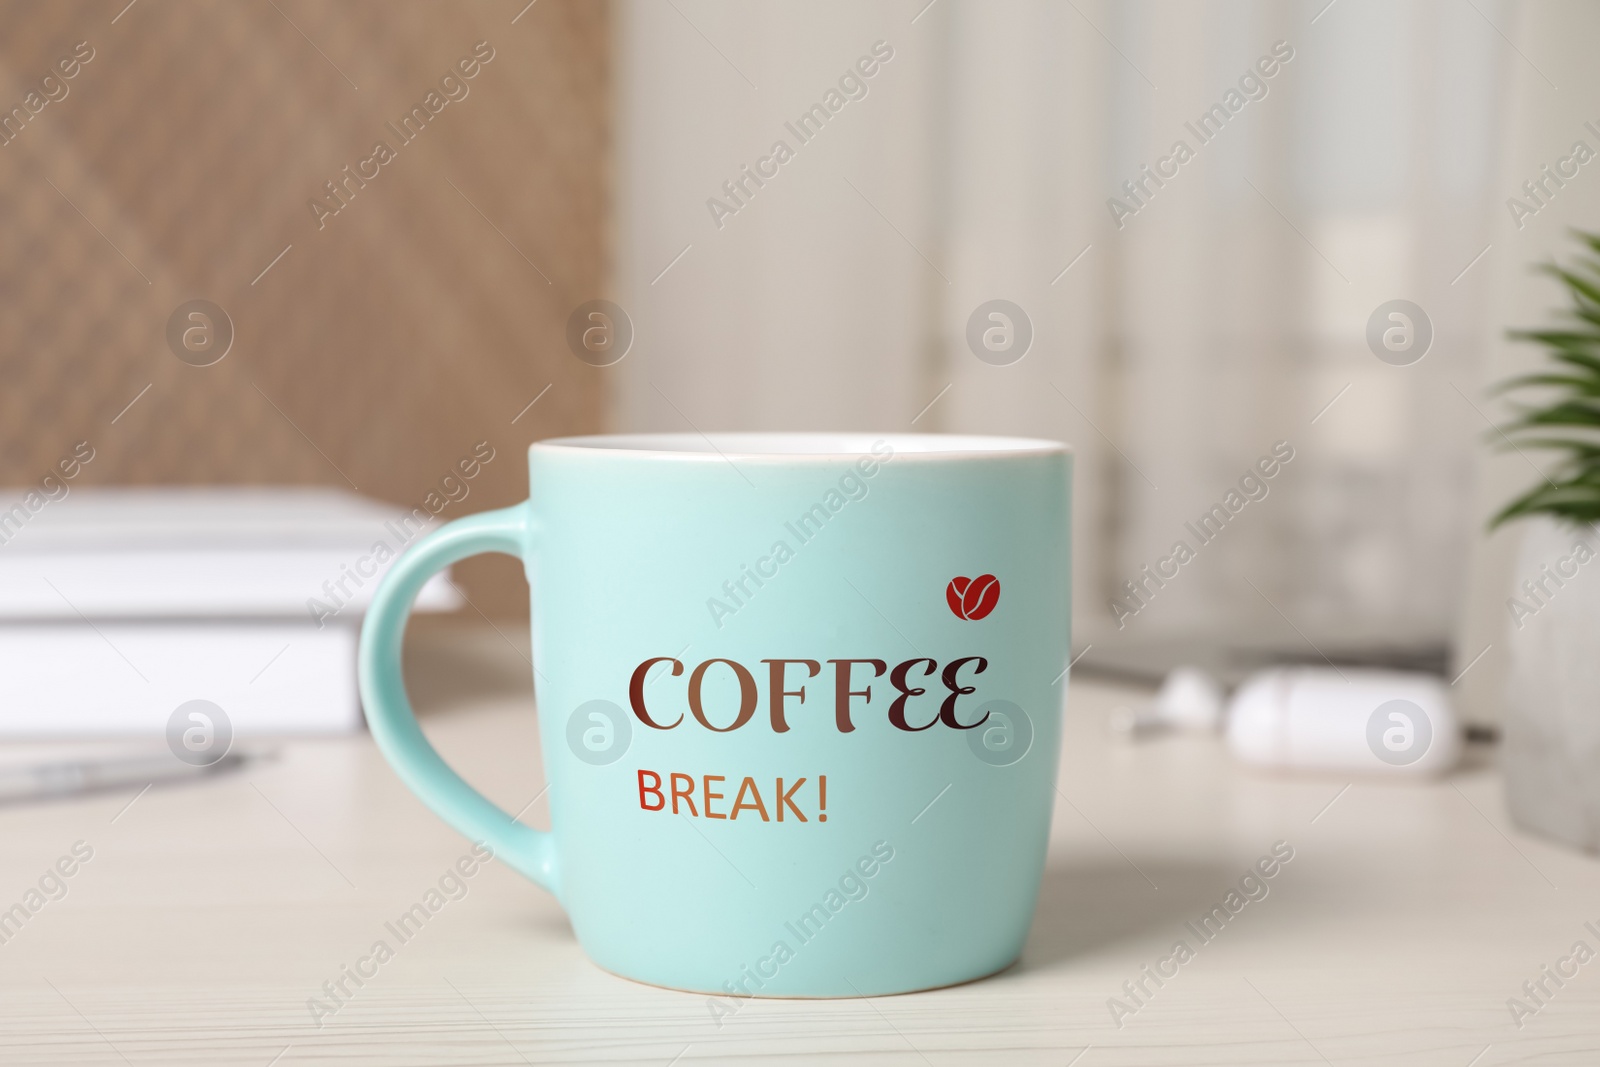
(1086, 906)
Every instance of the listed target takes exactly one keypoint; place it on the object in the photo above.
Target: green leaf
(1581, 288)
(1586, 386)
(1566, 415)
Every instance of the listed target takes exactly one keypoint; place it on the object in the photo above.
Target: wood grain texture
(390, 337)
(211, 913)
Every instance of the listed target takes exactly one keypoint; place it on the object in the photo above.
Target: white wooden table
(210, 914)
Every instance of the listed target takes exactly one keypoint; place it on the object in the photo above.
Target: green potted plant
(1551, 747)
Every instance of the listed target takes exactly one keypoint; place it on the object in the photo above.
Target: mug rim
(800, 447)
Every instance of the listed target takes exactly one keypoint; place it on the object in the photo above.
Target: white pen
(39, 781)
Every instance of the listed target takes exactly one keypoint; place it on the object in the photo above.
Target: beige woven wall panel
(383, 345)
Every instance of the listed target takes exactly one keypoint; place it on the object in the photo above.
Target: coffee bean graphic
(973, 598)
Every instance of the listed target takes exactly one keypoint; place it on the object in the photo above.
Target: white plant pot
(1550, 751)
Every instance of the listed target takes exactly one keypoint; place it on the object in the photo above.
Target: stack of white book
(119, 605)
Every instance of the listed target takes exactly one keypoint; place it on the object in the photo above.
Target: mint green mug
(799, 701)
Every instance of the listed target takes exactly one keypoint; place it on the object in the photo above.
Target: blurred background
(388, 316)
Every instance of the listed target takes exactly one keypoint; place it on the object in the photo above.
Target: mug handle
(388, 708)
